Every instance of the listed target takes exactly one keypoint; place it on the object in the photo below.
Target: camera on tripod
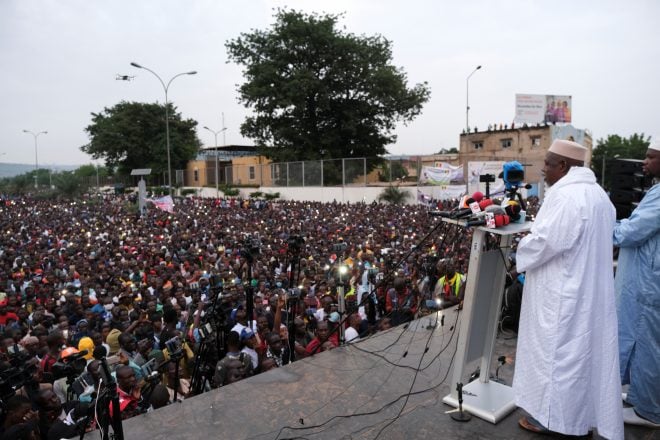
(340, 246)
(72, 364)
(251, 247)
(174, 347)
(295, 243)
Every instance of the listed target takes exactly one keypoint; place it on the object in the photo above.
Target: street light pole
(215, 134)
(167, 116)
(36, 155)
(467, 100)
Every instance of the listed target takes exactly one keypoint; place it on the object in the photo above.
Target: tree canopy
(319, 92)
(615, 146)
(132, 135)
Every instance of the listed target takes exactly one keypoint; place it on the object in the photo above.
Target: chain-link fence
(332, 172)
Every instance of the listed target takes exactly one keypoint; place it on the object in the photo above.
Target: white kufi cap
(569, 149)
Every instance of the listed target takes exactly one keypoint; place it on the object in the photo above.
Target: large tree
(615, 146)
(319, 92)
(132, 135)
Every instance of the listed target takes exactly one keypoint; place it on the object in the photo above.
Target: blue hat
(246, 334)
(334, 317)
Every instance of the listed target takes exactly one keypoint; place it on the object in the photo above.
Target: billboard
(533, 109)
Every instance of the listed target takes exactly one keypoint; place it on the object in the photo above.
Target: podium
(483, 398)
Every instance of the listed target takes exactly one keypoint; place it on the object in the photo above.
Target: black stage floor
(387, 386)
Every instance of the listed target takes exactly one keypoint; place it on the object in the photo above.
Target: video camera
(340, 246)
(70, 366)
(295, 243)
(174, 347)
(513, 175)
(18, 374)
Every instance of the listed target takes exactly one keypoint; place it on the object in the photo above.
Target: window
(536, 141)
(478, 145)
(252, 173)
(505, 143)
(196, 175)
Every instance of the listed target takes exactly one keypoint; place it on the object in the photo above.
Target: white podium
(483, 398)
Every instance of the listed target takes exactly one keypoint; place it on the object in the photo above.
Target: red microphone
(478, 196)
(485, 203)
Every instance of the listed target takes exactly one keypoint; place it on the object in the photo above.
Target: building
(201, 171)
(527, 144)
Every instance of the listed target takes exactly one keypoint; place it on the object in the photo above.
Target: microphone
(445, 214)
(492, 209)
(500, 220)
(513, 211)
(485, 203)
(478, 196)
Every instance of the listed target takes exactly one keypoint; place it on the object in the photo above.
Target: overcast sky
(59, 60)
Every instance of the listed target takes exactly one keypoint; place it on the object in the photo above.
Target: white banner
(442, 174)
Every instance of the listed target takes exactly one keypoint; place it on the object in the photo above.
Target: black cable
(388, 404)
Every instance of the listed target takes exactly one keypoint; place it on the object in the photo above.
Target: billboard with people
(552, 109)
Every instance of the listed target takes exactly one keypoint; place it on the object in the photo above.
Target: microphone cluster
(479, 211)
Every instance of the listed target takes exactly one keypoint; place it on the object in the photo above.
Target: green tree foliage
(393, 195)
(132, 135)
(68, 184)
(393, 170)
(615, 146)
(315, 88)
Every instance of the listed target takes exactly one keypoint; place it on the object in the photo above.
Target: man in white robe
(566, 374)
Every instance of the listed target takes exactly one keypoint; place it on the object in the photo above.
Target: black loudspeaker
(624, 196)
(628, 185)
(634, 181)
(626, 166)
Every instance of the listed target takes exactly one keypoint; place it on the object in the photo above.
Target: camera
(174, 346)
(70, 366)
(294, 293)
(339, 247)
(251, 247)
(295, 243)
(513, 174)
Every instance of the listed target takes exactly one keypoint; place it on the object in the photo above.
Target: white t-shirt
(351, 335)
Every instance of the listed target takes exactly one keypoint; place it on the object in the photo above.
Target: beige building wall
(527, 145)
(196, 173)
(251, 170)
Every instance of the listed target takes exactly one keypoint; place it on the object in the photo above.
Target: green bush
(186, 191)
(272, 196)
(256, 194)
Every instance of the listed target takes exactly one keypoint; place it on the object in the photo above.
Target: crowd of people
(89, 285)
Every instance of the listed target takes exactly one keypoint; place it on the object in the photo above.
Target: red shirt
(7, 316)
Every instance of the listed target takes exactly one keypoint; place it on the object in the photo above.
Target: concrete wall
(330, 194)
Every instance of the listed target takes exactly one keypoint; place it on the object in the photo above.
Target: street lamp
(36, 156)
(215, 134)
(467, 100)
(167, 118)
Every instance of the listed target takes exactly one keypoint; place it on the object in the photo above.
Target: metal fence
(333, 172)
(314, 173)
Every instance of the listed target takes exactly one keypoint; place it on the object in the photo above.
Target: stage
(388, 386)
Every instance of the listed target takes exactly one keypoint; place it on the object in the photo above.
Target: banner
(534, 109)
(163, 203)
(442, 174)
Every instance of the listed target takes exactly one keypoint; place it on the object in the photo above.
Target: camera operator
(51, 411)
(401, 302)
(450, 288)
(20, 421)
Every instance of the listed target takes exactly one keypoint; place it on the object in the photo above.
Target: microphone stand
(460, 415)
